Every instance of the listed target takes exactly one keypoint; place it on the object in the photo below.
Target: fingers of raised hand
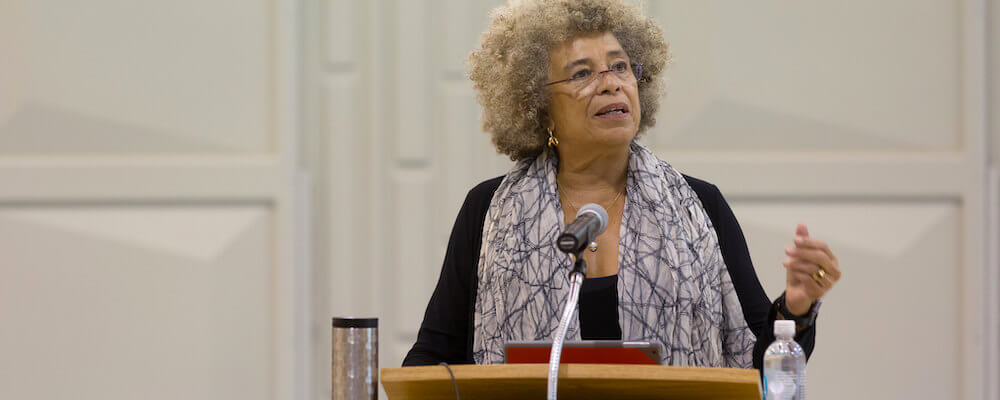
(811, 285)
(819, 257)
(817, 244)
(799, 265)
(806, 272)
(802, 230)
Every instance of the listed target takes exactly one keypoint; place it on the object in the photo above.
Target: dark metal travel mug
(355, 358)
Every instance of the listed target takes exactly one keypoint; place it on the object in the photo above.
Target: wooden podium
(576, 381)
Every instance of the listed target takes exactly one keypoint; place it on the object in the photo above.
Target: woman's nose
(608, 83)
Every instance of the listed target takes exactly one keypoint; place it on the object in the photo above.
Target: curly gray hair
(510, 68)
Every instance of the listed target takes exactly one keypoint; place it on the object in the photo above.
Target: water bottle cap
(784, 328)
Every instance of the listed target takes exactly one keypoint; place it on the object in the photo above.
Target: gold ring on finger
(818, 278)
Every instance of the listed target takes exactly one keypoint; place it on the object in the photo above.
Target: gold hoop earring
(553, 142)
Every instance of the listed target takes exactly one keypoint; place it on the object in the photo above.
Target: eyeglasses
(585, 77)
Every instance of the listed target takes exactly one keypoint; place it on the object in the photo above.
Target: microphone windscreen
(600, 212)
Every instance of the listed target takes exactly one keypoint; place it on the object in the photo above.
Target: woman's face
(579, 108)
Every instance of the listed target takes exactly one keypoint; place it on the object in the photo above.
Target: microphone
(590, 222)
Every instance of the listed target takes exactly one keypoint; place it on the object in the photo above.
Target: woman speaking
(567, 87)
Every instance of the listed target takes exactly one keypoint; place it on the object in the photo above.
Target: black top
(599, 309)
(446, 333)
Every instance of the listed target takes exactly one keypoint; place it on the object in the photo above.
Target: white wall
(992, 332)
(866, 120)
(149, 199)
(164, 169)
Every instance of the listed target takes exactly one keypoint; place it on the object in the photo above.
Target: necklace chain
(613, 201)
(593, 244)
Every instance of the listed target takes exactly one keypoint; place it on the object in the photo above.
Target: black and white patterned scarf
(673, 285)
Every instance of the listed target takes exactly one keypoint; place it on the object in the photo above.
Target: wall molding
(140, 178)
(992, 274)
(748, 175)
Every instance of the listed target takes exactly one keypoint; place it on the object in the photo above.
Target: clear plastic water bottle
(784, 365)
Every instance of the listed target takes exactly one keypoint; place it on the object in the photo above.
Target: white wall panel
(992, 332)
(831, 76)
(343, 195)
(154, 302)
(992, 311)
(777, 174)
(139, 178)
(467, 154)
(121, 77)
(993, 77)
(412, 135)
(337, 130)
(977, 377)
(459, 34)
(341, 38)
(149, 175)
(415, 275)
(458, 144)
(892, 325)
(466, 21)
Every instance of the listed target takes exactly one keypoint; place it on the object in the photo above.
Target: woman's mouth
(613, 111)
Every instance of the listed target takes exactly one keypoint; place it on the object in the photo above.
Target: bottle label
(780, 385)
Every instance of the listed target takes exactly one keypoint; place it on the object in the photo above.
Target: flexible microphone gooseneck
(590, 222)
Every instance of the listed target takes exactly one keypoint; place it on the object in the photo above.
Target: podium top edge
(573, 371)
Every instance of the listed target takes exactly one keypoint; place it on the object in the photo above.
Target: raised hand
(812, 270)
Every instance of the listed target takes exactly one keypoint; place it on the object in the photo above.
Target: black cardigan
(446, 333)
